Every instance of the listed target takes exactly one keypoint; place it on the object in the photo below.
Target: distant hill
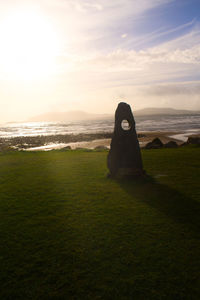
(71, 116)
(163, 111)
(68, 116)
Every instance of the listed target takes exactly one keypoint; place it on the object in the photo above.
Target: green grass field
(69, 232)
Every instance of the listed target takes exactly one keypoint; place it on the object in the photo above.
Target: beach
(88, 141)
(144, 138)
(45, 136)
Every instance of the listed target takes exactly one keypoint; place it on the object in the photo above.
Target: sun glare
(29, 46)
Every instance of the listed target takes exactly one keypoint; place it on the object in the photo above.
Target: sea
(181, 126)
(181, 123)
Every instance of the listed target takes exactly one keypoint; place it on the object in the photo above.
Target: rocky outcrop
(155, 144)
(192, 140)
(67, 148)
(195, 140)
(171, 144)
(101, 147)
(124, 157)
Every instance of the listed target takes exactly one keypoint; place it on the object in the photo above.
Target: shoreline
(88, 141)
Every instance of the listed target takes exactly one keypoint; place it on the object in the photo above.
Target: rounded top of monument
(123, 104)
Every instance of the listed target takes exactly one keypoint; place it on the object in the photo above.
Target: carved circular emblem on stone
(125, 125)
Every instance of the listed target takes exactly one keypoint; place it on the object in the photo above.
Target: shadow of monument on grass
(175, 205)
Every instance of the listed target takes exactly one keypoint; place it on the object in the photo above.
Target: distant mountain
(68, 116)
(163, 111)
(71, 116)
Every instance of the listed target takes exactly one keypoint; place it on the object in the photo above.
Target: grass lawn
(69, 232)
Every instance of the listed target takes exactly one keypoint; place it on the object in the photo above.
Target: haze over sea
(184, 124)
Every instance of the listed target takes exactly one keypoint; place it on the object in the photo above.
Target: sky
(62, 55)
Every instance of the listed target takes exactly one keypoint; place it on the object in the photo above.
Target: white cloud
(173, 89)
(158, 76)
(162, 60)
(124, 35)
(103, 13)
(86, 6)
(144, 40)
(101, 64)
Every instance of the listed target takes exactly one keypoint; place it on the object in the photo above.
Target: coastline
(143, 137)
(88, 141)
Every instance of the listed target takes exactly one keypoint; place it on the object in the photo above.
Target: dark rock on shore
(192, 140)
(171, 144)
(155, 144)
(141, 135)
(66, 148)
(195, 140)
(101, 148)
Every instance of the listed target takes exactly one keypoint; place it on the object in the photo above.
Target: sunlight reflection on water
(181, 123)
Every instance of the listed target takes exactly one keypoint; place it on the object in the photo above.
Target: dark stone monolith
(124, 157)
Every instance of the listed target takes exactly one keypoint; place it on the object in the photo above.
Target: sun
(29, 46)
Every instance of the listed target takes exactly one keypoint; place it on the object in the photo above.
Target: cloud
(107, 55)
(124, 35)
(157, 62)
(84, 7)
(146, 39)
(103, 13)
(123, 5)
(159, 76)
(174, 89)
(181, 95)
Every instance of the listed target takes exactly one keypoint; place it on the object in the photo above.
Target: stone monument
(124, 157)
